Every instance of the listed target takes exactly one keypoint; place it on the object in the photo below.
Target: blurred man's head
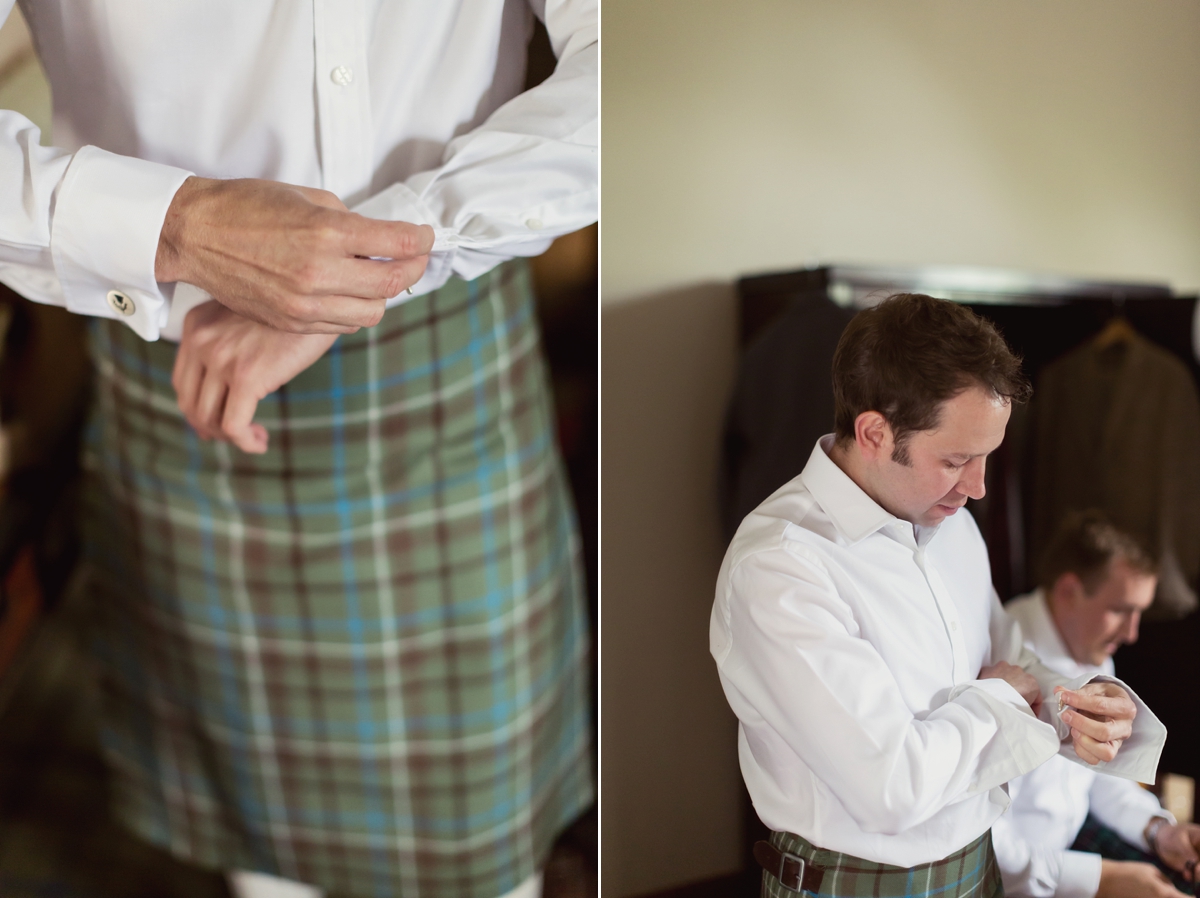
(922, 392)
(1097, 580)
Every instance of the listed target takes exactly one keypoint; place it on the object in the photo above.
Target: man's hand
(1133, 879)
(1100, 717)
(227, 363)
(1179, 847)
(1018, 679)
(290, 257)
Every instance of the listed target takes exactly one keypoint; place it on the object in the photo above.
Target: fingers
(1100, 730)
(1093, 751)
(1118, 707)
(185, 377)
(209, 406)
(1188, 849)
(236, 426)
(387, 239)
(1082, 749)
(349, 289)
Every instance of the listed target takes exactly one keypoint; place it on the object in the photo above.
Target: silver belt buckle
(784, 857)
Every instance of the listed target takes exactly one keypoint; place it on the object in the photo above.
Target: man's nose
(1131, 629)
(971, 483)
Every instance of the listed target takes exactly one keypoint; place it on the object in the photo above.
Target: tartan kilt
(360, 660)
(970, 871)
(1097, 838)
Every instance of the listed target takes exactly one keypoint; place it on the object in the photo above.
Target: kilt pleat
(359, 660)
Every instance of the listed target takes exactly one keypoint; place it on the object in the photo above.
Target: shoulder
(1024, 609)
(788, 519)
(783, 544)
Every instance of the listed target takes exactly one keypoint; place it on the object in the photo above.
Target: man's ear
(1068, 589)
(873, 435)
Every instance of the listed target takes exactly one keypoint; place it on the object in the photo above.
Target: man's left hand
(1100, 717)
(1179, 848)
(227, 363)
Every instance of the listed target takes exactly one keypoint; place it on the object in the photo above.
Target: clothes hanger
(1118, 330)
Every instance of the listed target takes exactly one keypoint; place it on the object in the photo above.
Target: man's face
(946, 465)
(1094, 626)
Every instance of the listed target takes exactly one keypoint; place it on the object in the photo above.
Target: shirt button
(341, 76)
(120, 303)
(534, 224)
(954, 625)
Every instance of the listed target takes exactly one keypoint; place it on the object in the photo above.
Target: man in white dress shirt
(883, 696)
(355, 656)
(1096, 582)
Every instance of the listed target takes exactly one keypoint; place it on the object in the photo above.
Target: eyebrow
(966, 456)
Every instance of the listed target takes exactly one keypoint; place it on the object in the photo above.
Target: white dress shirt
(848, 643)
(408, 110)
(1049, 804)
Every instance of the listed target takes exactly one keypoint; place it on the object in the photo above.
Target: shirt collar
(855, 514)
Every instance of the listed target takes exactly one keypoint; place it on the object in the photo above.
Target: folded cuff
(108, 215)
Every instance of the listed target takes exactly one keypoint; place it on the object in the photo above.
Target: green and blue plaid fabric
(1096, 838)
(970, 871)
(360, 660)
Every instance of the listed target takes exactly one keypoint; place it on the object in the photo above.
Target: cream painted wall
(1052, 135)
(23, 85)
(1060, 136)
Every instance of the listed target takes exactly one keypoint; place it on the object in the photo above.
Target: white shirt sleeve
(797, 662)
(1125, 807)
(1038, 870)
(525, 176)
(1138, 756)
(77, 226)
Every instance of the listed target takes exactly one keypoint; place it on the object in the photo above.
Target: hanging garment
(1117, 427)
(782, 404)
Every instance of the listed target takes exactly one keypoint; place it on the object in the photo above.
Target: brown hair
(909, 354)
(1085, 544)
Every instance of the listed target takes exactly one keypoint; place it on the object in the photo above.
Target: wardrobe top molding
(861, 286)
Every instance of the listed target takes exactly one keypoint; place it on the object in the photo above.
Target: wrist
(1152, 831)
(170, 261)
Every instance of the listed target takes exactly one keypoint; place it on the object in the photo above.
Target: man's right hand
(1133, 879)
(1018, 679)
(293, 258)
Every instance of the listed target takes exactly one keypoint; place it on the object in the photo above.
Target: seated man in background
(1096, 582)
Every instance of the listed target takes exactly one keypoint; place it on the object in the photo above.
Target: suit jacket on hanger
(1118, 428)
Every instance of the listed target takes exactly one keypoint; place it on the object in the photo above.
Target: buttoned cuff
(108, 217)
(1079, 875)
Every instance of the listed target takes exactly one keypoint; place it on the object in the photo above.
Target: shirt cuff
(1079, 875)
(400, 203)
(1027, 742)
(108, 217)
(1137, 758)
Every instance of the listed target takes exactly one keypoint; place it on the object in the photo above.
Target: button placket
(343, 97)
(949, 615)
